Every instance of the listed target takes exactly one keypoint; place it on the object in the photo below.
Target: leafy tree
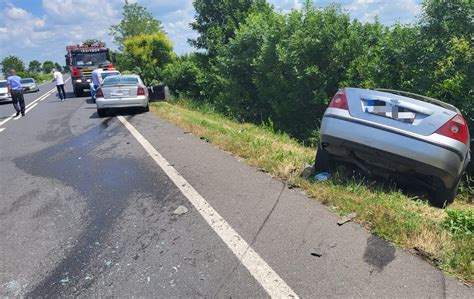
(12, 62)
(447, 60)
(183, 76)
(149, 53)
(34, 66)
(217, 21)
(92, 41)
(58, 67)
(442, 20)
(136, 20)
(48, 66)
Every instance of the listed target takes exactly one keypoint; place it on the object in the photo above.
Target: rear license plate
(119, 93)
(389, 110)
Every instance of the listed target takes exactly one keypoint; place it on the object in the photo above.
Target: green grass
(44, 77)
(404, 219)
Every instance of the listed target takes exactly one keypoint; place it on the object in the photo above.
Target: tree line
(259, 65)
(35, 69)
(255, 64)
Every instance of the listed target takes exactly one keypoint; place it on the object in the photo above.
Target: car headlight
(78, 80)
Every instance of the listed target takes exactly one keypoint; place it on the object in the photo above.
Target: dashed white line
(271, 282)
(30, 105)
(2, 129)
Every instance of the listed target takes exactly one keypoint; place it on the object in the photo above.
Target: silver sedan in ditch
(396, 132)
(122, 91)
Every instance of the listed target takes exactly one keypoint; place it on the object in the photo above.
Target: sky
(41, 29)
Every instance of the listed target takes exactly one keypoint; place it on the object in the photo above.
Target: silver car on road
(121, 91)
(387, 131)
(29, 85)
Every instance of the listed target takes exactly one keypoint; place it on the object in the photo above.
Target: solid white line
(271, 282)
(41, 98)
(2, 129)
(27, 106)
(31, 107)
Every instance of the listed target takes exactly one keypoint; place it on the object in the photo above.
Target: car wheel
(442, 196)
(147, 108)
(323, 161)
(101, 112)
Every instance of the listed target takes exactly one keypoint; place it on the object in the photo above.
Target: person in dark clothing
(14, 84)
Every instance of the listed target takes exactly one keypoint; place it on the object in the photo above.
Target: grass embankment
(446, 236)
(44, 77)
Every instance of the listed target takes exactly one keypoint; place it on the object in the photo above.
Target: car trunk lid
(397, 111)
(119, 91)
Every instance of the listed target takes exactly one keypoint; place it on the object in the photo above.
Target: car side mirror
(68, 60)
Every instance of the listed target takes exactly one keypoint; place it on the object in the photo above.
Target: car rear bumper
(30, 89)
(121, 103)
(390, 150)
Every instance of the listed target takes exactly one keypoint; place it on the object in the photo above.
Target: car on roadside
(4, 94)
(103, 74)
(29, 85)
(398, 133)
(121, 91)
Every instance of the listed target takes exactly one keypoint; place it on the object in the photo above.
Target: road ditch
(403, 217)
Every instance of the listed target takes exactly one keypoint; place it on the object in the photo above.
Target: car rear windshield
(120, 80)
(3, 84)
(26, 80)
(105, 75)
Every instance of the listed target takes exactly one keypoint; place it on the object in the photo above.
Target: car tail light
(339, 100)
(455, 128)
(99, 93)
(140, 91)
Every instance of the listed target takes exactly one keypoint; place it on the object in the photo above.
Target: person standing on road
(14, 85)
(58, 78)
(96, 80)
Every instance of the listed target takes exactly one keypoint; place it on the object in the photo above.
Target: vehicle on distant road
(121, 91)
(4, 94)
(29, 85)
(395, 132)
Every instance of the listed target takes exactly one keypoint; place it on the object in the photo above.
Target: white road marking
(31, 107)
(41, 98)
(2, 129)
(271, 282)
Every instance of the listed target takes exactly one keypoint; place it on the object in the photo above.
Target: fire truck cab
(82, 60)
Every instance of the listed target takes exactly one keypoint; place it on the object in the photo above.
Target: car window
(3, 84)
(26, 80)
(120, 80)
(105, 75)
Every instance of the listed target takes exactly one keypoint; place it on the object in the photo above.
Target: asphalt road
(87, 209)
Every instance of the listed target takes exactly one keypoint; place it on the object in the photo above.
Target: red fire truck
(82, 60)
